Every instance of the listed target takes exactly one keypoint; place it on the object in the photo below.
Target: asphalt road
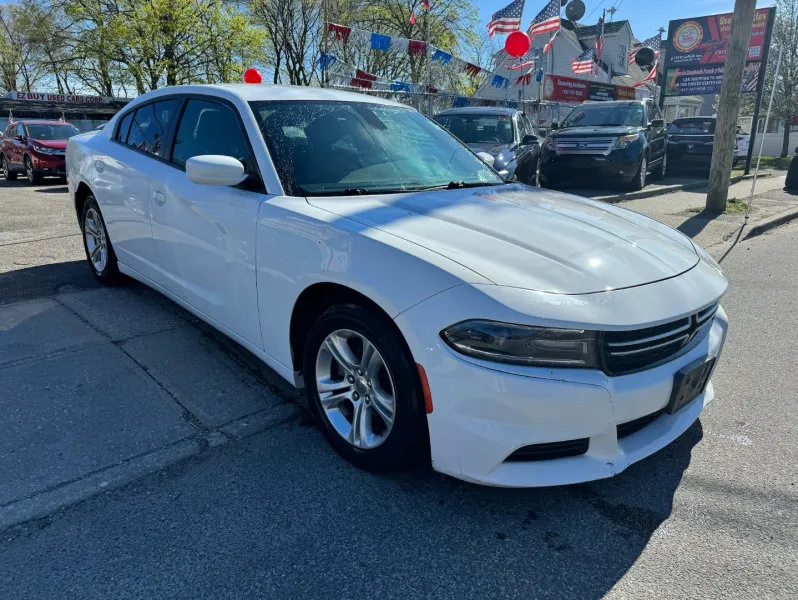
(278, 515)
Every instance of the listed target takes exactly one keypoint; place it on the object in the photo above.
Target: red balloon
(252, 75)
(517, 44)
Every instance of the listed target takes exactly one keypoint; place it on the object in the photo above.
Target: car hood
(588, 131)
(527, 237)
(57, 144)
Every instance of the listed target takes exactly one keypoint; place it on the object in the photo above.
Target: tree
(785, 35)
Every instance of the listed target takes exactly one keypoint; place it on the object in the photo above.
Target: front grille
(629, 351)
(549, 451)
(630, 427)
(592, 145)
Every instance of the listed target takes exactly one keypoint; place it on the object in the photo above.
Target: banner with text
(569, 89)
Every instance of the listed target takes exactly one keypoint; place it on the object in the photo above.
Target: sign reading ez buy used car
(696, 53)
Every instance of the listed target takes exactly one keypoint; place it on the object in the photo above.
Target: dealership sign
(65, 98)
(568, 89)
(696, 53)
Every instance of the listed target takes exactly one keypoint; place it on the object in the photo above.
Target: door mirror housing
(215, 169)
(19, 138)
(555, 126)
(488, 158)
(528, 139)
(657, 123)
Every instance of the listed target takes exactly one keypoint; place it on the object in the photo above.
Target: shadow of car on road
(61, 189)
(45, 280)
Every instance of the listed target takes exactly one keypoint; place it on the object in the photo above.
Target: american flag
(548, 20)
(653, 42)
(523, 65)
(652, 74)
(507, 19)
(599, 41)
(584, 62)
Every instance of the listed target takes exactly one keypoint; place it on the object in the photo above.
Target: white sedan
(517, 336)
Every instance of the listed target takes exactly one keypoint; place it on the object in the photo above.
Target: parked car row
(510, 335)
(626, 143)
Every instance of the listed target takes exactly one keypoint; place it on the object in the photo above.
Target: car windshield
(693, 127)
(479, 129)
(55, 131)
(330, 148)
(605, 115)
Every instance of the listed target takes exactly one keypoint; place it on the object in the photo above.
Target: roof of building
(41, 122)
(583, 31)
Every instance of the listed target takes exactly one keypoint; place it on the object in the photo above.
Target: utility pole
(729, 105)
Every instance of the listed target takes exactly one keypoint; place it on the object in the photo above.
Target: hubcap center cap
(362, 385)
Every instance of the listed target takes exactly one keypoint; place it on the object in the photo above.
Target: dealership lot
(101, 386)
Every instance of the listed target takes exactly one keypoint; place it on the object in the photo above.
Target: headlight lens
(707, 257)
(42, 149)
(624, 141)
(523, 345)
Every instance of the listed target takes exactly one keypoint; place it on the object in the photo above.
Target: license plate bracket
(689, 383)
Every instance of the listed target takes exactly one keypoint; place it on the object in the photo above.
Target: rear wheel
(99, 251)
(8, 174)
(364, 388)
(34, 176)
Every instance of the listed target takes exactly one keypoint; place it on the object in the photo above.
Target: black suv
(612, 141)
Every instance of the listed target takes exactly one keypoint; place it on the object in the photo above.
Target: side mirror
(555, 126)
(657, 123)
(488, 158)
(529, 139)
(19, 138)
(214, 169)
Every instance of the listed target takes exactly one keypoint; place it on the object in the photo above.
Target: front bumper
(483, 412)
(579, 169)
(49, 163)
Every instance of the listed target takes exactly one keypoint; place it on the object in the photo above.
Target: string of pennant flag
(398, 45)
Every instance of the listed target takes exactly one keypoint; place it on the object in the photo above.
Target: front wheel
(99, 251)
(639, 180)
(364, 388)
(34, 176)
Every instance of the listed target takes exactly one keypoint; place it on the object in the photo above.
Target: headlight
(43, 149)
(624, 141)
(523, 345)
(707, 257)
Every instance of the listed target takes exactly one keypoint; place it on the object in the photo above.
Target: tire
(8, 174)
(378, 444)
(92, 225)
(662, 171)
(639, 180)
(34, 176)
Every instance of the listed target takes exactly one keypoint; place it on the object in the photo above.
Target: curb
(661, 191)
(771, 223)
(62, 496)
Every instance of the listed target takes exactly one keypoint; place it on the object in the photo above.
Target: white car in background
(523, 336)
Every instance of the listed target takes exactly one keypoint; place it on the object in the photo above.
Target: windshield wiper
(456, 185)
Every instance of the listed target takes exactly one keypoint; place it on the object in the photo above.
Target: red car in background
(35, 148)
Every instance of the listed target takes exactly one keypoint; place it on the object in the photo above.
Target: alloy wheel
(96, 240)
(356, 389)
(643, 172)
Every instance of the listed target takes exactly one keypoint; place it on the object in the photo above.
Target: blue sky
(646, 16)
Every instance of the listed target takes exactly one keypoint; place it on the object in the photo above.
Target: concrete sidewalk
(102, 386)
(684, 211)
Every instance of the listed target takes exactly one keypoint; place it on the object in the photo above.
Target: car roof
(249, 92)
(696, 118)
(479, 110)
(612, 102)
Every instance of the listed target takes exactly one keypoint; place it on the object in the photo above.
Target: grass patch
(773, 162)
(733, 206)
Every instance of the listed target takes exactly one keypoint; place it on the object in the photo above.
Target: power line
(595, 9)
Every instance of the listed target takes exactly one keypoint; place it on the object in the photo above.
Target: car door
(205, 236)
(522, 152)
(19, 145)
(656, 135)
(122, 177)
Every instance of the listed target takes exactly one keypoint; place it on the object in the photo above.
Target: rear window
(693, 127)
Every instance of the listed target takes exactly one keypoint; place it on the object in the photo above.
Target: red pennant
(361, 83)
(472, 69)
(341, 32)
(412, 18)
(426, 4)
(416, 48)
(363, 75)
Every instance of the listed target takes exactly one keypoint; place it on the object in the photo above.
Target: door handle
(99, 165)
(158, 197)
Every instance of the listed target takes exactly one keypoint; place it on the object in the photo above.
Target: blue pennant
(380, 42)
(326, 60)
(442, 57)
